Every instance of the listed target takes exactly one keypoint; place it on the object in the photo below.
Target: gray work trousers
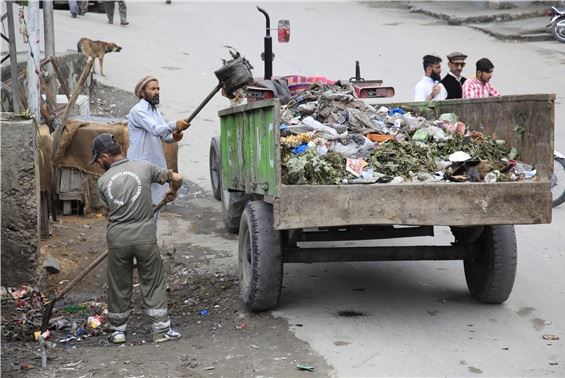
(152, 284)
(109, 6)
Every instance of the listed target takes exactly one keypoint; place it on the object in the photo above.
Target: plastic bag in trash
(324, 131)
(438, 134)
(355, 166)
(396, 110)
(448, 117)
(421, 135)
(300, 149)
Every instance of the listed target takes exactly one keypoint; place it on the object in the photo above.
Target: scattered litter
(304, 367)
(550, 337)
(209, 368)
(203, 312)
(241, 326)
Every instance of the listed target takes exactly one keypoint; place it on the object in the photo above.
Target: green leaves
(390, 158)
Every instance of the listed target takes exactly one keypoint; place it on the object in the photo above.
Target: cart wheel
(215, 173)
(490, 273)
(233, 204)
(260, 258)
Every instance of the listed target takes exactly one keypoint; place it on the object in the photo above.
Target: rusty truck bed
(250, 148)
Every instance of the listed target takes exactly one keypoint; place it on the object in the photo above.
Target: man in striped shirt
(480, 86)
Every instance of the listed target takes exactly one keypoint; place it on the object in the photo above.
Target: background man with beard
(453, 81)
(480, 85)
(429, 88)
(147, 128)
(125, 190)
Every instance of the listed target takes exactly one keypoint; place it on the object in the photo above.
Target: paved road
(418, 318)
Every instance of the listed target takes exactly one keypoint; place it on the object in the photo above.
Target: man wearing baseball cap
(125, 190)
(453, 81)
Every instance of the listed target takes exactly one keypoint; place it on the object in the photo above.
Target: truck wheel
(260, 258)
(233, 204)
(215, 172)
(490, 273)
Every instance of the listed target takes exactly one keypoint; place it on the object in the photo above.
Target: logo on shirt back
(121, 174)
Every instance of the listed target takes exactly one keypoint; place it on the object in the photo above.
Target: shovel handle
(81, 275)
(204, 102)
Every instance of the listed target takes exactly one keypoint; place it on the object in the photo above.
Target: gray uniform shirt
(125, 189)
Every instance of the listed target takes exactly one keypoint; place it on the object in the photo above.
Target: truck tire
(558, 181)
(215, 168)
(259, 257)
(233, 204)
(490, 273)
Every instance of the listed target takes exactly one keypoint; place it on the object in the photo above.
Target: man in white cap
(147, 129)
(453, 81)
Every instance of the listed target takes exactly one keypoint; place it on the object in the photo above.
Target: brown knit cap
(142, 83)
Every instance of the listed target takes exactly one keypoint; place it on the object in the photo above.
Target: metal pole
(268, 45)
(13, 57)
(49, 36)
(33, 59)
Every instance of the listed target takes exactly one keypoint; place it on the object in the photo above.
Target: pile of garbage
(74, 322)
(328, 136)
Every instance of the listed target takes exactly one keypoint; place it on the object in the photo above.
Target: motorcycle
(558, 179)
(557, 24)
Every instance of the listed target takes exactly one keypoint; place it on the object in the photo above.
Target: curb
(534, 37)
(452, 20)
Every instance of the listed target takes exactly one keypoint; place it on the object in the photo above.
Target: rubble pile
(70, 323)
(328, 136)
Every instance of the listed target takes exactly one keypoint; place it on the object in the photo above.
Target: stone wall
(19, 200)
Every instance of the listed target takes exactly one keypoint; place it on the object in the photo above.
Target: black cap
(456, 56)
(100, 144)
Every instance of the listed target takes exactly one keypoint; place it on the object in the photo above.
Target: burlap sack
(74, 144)
(45, 150)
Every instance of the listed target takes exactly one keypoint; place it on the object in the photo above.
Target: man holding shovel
(147, 129)
(125, 190)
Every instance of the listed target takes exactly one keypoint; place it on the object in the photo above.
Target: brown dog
(97, 49)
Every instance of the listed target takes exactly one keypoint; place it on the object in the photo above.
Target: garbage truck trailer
(279, 223)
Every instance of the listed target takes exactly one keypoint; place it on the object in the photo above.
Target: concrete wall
(19, 200)
(70, 65)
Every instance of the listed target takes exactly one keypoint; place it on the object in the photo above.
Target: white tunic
(146, 129)
(424, 88)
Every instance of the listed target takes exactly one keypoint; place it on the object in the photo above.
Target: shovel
(51, 304)
(233, 75)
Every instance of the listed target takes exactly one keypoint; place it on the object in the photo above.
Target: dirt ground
(219, 337)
